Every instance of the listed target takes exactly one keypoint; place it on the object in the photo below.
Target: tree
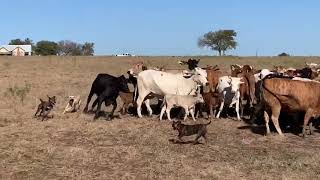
(220, 41)
(70, 48)
(45, 48)
(283, 54)
(88, 49)
(27, 41)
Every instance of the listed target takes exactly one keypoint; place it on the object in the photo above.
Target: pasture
(73, 146)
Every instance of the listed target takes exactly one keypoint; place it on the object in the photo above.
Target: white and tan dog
(73, 104)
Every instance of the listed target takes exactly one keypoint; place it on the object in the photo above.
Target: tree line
(61, 48)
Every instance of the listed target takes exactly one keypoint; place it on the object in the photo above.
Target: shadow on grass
(176, 141)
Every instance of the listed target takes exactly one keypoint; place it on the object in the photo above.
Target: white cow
(187, 102)
(163, 83)
(229, 87)
(262, 74)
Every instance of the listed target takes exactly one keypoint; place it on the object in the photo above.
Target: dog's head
(176, 125)
(52, 100)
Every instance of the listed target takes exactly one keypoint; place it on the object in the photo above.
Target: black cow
(107, 88)
(192, 63)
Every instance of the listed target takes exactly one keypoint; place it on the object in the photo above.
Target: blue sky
(167, 27)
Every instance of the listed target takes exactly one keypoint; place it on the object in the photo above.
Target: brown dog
(45, 107)
(188, 130)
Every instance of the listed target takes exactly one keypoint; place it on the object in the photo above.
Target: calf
(73, 104)
(212, 101)
(127, 99)
(185, 101)
(229, 87)
(45, 107)
(107, 88)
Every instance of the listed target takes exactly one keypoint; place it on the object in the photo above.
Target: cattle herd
(251, 93)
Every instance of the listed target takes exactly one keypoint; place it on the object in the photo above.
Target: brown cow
(283, 94)
(213, 74)
(212, 101)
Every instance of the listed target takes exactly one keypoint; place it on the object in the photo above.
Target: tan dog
(73, 104)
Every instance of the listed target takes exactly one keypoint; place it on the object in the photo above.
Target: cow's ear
(198, 61)
(232, 67)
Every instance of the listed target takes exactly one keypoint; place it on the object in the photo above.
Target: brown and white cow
(247, 89)
(284, 94)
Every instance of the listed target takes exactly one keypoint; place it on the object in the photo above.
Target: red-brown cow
(283, 94)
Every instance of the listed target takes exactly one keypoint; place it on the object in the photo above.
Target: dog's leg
(38, 110)
(180, 135)
(199, 135)
(205, 137)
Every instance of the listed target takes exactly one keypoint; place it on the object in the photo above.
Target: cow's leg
(114, 104)
(140, 100)
(168, 112)
(192, 114)
(211, 112)
(241, 106)
(85, 110)
(266, 119)
(275, 118)
(147, 103)
(162, 111)
(221, 105)
(186, 113)
(100, 100)
(237, 106)
(307, 117)
(94, 104)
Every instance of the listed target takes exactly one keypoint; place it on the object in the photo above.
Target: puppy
(45, 107)
(188, 130)
(73, 104)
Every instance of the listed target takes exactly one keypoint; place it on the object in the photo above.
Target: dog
(188, 130)
(73, 104)
(45, 107)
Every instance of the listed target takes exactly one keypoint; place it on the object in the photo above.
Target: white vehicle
(125, 54)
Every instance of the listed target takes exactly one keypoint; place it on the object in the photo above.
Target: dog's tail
(208, 123)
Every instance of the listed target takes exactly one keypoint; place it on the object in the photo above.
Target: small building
(16, 50)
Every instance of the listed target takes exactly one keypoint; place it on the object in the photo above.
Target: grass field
(73, 146)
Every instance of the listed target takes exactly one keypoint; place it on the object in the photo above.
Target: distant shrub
(283, 54)
(19, 92)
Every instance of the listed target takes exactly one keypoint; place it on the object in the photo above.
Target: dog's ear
(48, 96)
(41, 100)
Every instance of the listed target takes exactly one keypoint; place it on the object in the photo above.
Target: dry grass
(72, 146)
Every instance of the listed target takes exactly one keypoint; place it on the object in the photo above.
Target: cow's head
(192, 63)
(136, 69)
(123, 84)
(235, 69)
(235, 84)
(199, 76)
